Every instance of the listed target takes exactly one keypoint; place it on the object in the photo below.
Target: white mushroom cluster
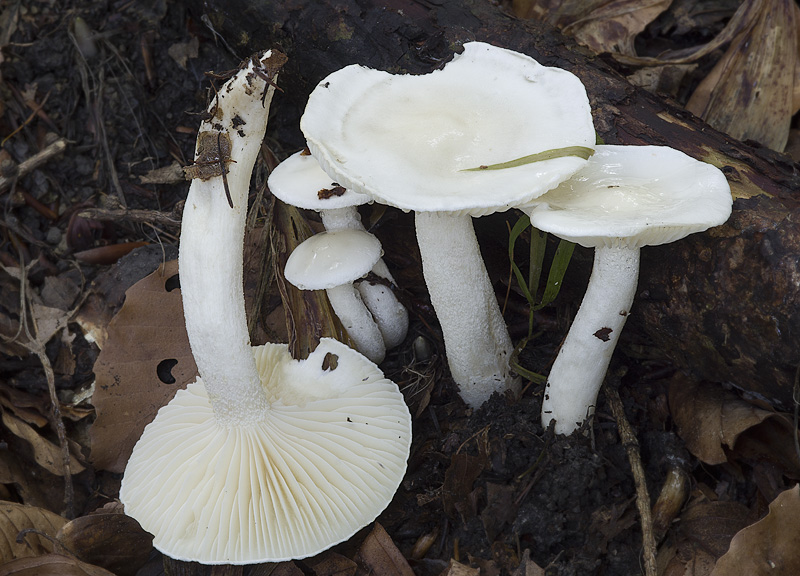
(413, 142)
(490, 131)
(374, 318)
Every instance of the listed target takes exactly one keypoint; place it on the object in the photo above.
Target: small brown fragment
(603, 334)
(212, 159)
(326, 193)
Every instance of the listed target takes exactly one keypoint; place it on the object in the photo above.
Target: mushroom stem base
(582, 361)
(475, 335)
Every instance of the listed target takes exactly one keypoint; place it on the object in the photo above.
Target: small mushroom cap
(332, 258)
(635, 196)
(406, 140)
(301, 182)
(325, 460)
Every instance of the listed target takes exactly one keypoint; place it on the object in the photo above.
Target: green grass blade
(579, 151)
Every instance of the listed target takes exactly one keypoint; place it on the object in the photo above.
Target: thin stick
(34, 162)
(631, 445)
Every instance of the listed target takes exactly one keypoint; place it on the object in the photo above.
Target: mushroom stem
(475, 335)
(210, 257)
(582, 361)
(357, 320)
(341, 218)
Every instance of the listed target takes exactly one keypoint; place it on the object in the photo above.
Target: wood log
(724, 304)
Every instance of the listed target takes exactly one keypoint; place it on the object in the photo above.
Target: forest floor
(107, 97)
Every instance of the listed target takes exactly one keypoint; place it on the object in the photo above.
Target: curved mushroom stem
(582, 361)
(210, 257)
(475, 335)
(357, 320)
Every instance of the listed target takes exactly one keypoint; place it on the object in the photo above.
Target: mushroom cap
(325, 460)
(634, 196)
(332, 258)
(405, 140)
(298, 181)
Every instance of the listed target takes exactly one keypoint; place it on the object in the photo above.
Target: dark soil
(485, 486)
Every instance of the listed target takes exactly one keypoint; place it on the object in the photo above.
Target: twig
(165, 219)
(37, 346)
(631, 445)
(34, 162)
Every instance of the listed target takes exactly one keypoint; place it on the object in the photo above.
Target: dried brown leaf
(768, 547)
(458, 569)
(704, 533)
(716, 423)
(51, 565)
(500, 509)
(14, 518)
(749, 94)
(528, 567)
(613, 26)
(145, 361)
(112, 541)
(46, 454)
(332, 564)
(379, 556)
(459, 478)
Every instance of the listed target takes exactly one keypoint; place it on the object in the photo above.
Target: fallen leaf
(528, 567)
(459, 478)
(768, 547)
(458, 569)
(112, 541)
(47, 455)
(51, 565)
(331, 564)
(749, 93)
(715, 424)
(499, 510)
(145, 361)
(613, 26)
(14, 518)
(379, 556)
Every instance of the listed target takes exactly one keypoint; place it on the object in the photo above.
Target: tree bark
(724, 304)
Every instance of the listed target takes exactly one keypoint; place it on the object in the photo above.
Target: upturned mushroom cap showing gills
(263, 458)
(323, 463)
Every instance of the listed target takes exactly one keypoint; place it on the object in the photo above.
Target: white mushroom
(410, 142)
(625, 198)
(332, 261)
(301, 182)
(263, 458)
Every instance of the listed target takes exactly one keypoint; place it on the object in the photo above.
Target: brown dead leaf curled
(112, 541)
(716, 423)
(458, 569)
(750, 92)
(147, 347)
(379, 555)
(703, 535)
(613, 26)
(768, 547)
(51, 565)
(14, 518)
(46, 454)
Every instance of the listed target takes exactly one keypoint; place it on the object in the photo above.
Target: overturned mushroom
(263, 458)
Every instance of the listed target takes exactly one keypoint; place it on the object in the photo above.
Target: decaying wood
(725, 304)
